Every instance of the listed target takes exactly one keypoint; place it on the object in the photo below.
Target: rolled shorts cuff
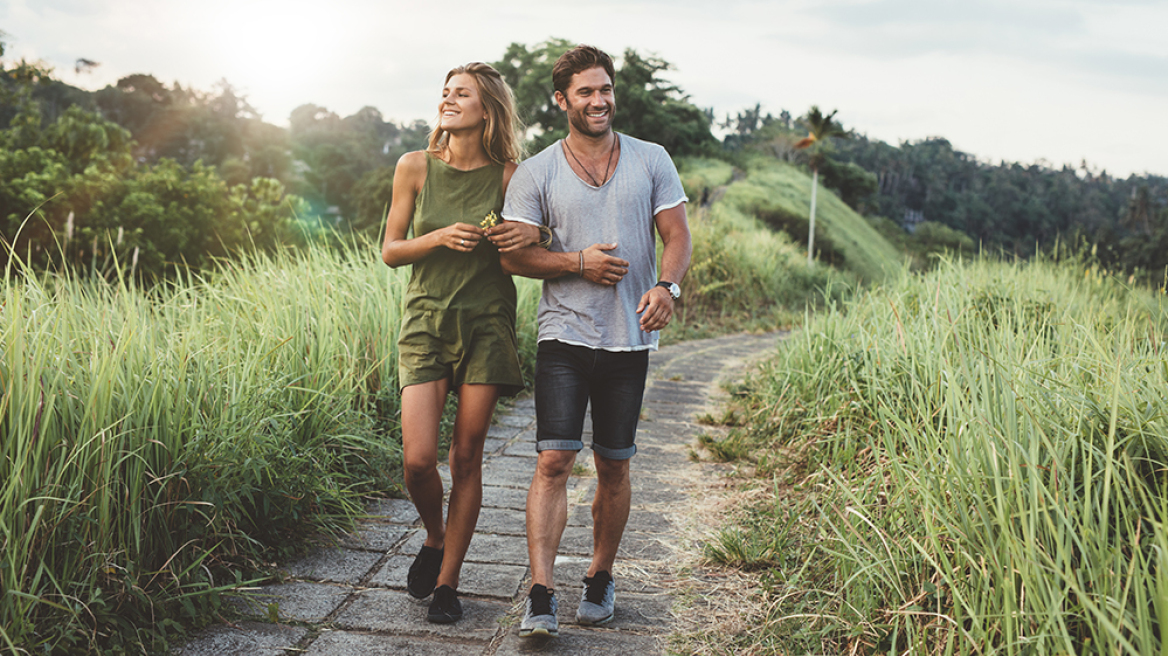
(615, 454)
(558, 445)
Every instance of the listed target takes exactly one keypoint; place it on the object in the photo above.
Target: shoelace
(541, 602)
(595, 589)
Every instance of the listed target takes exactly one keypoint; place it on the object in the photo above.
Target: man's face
(589, 102)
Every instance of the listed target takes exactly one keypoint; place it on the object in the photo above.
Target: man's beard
(579, 120)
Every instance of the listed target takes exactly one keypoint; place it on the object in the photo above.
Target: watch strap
(669, 287)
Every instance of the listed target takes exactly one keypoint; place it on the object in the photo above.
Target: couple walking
(603, 197)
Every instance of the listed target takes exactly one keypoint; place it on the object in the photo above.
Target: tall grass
(158, 443)
(969, 462)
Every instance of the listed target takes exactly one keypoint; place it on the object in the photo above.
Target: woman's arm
(408, 177)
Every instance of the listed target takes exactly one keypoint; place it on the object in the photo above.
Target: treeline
(150, 178)
(927, 194)
(154, 178)
(168, 177)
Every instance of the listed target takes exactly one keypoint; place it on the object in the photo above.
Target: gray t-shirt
(545, 189)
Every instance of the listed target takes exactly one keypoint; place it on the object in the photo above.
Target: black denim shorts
(567, 377)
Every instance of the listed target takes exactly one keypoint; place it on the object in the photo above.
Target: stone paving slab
(502, 432)
(392, 574)
(646, 521)
(503, 549)
(594, 642)
(334, 565)
(400, 511)
(493, 445)
(516, 420)
(577, 541)
(298, 601)
(487, 579)
(523, 446)
(495, 496)
(375, 536)
(633, 611)
(571, 570)
(347, 643)
(491, 580)
(243, 639)
(502, 521)
(394, 611)
(413, 543)
(511, 475)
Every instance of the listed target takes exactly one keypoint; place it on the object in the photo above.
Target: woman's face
(461, 107)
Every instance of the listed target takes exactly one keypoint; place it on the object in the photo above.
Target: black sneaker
(423, 575)
(598, 599)
(444, 608)
(539, 613)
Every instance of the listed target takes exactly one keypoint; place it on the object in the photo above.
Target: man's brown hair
(578, 60)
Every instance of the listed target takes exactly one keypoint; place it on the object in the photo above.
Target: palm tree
(819, 128)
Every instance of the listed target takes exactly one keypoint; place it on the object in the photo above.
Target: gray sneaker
(539, 614)
(598, 599)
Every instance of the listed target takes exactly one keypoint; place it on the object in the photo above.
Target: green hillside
(780, 195)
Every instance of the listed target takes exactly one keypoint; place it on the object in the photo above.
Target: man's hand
(655, 308)
(510, 236)
(602, 268)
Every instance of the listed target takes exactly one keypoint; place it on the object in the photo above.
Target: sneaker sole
(584, 622)
(442, 619)
(538, 631)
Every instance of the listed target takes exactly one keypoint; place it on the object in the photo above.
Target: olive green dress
(459, 319)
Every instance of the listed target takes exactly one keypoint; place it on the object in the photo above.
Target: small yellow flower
(490, 221)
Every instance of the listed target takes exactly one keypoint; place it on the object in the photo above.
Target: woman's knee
(466, 464)
(417, 467)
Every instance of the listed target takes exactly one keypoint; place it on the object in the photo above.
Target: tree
(648, 107)
(819, 129)
(529, 74)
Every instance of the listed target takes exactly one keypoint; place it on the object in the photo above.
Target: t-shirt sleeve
(524, 202)
(667, 189)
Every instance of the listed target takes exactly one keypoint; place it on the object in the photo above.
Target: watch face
(672, 287)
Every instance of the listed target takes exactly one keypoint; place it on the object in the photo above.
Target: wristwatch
(674, 290)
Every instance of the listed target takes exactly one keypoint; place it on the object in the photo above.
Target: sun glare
(270, 44)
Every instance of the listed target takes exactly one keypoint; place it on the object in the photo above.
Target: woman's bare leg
(476, 406)
(421, 413)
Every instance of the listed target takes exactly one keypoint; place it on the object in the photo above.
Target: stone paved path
(351, 600)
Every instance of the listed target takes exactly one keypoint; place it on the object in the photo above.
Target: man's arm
(656, 306)
(592, 263)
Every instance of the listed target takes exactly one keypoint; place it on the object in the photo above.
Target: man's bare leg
(547, 513)
(610, 511)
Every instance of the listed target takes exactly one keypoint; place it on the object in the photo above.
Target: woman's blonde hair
(502, 136)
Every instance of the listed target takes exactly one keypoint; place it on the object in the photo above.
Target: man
(604, 195)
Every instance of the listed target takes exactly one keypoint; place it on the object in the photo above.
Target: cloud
(1066, 39)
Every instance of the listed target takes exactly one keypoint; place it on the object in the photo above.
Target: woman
(458, 328)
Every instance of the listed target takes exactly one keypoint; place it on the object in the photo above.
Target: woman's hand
(510, 236)
(461, 237)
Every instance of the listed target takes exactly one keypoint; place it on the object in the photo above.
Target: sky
(1051, 81)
